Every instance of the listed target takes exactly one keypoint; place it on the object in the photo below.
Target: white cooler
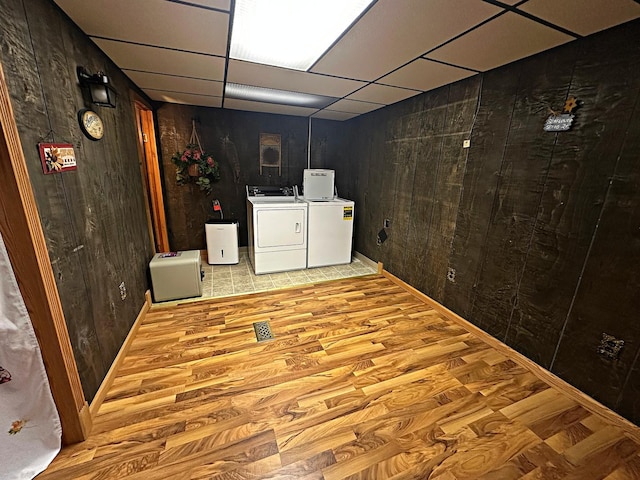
(176, 275)
(222, 241)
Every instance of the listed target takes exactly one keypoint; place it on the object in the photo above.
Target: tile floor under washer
(223, 280)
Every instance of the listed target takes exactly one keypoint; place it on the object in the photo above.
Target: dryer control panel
(270, 191)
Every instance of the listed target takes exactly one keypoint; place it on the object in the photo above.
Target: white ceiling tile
(221, 4)
(159, 60)
(152, 22)
(382, 94)
(236, 104)
(173, 83)
(583, 16)
(353, 106)
(498, 42)
(393, 33)
(247, 73)
(425, 75)
(331, 115)
(184, 98)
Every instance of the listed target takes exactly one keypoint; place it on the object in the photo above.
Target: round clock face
(91, 124)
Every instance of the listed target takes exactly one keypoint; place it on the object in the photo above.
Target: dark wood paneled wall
(233, 138)
(533, 236)
(93, 218)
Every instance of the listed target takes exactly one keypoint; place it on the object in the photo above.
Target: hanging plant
(193, 163)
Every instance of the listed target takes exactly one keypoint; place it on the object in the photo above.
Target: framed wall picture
(57, 157)
(270, 148)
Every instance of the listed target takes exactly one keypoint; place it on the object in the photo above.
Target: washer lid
(318, 184)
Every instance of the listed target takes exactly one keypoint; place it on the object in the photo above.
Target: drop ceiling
(177, 51)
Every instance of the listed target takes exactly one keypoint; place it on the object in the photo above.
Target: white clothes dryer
(277, 228)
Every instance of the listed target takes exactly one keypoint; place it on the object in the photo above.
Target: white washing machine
(277, 225)
(330, 228)
(330, 223)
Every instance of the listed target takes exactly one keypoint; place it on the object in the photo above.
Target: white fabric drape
(30, 432)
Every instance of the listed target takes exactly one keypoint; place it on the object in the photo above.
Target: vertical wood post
(22, 232)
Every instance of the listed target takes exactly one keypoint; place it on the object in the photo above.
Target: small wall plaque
(561, 122)
(57, 157)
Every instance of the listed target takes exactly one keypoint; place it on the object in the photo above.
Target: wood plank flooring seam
(401, 393)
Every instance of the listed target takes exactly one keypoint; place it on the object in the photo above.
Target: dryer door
(282, 227)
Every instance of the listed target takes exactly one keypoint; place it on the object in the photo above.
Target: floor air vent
(263, 331)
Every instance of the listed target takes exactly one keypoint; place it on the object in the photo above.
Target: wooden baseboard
(593, 406)
(86, 419)
(364, 259)
(108, 379)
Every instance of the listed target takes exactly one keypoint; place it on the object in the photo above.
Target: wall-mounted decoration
(91, 124)
(57, 157)
(270, 147)
(194, 164)
(561, 122)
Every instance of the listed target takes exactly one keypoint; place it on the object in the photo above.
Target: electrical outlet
(610, 346)
(386, 223)
(123, 291)
(466, 143)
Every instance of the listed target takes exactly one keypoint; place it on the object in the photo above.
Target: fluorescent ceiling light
(290, 33)
(270, 95)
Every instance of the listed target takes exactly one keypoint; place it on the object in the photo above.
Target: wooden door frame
(23, 236)
(150, 171)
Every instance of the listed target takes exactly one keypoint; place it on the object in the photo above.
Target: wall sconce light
(102, 94)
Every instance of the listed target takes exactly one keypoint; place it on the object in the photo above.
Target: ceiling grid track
(390, 52)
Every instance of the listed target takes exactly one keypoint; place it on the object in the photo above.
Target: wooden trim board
(632, 430)
(111, 374)
(152, 168)
(26, 245)
(364, 259)
(143, 173)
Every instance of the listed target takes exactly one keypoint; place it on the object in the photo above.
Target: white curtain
(30, 432)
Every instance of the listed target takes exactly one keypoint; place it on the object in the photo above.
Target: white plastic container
(222, 242)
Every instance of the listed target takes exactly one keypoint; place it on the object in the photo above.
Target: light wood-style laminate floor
(363, 380)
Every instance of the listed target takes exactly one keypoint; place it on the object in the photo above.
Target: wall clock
(91, 124)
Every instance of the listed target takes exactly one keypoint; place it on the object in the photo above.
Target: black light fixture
(102, 94)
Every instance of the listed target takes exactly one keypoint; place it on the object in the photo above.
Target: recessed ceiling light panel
(271, 95)
(290, 33)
